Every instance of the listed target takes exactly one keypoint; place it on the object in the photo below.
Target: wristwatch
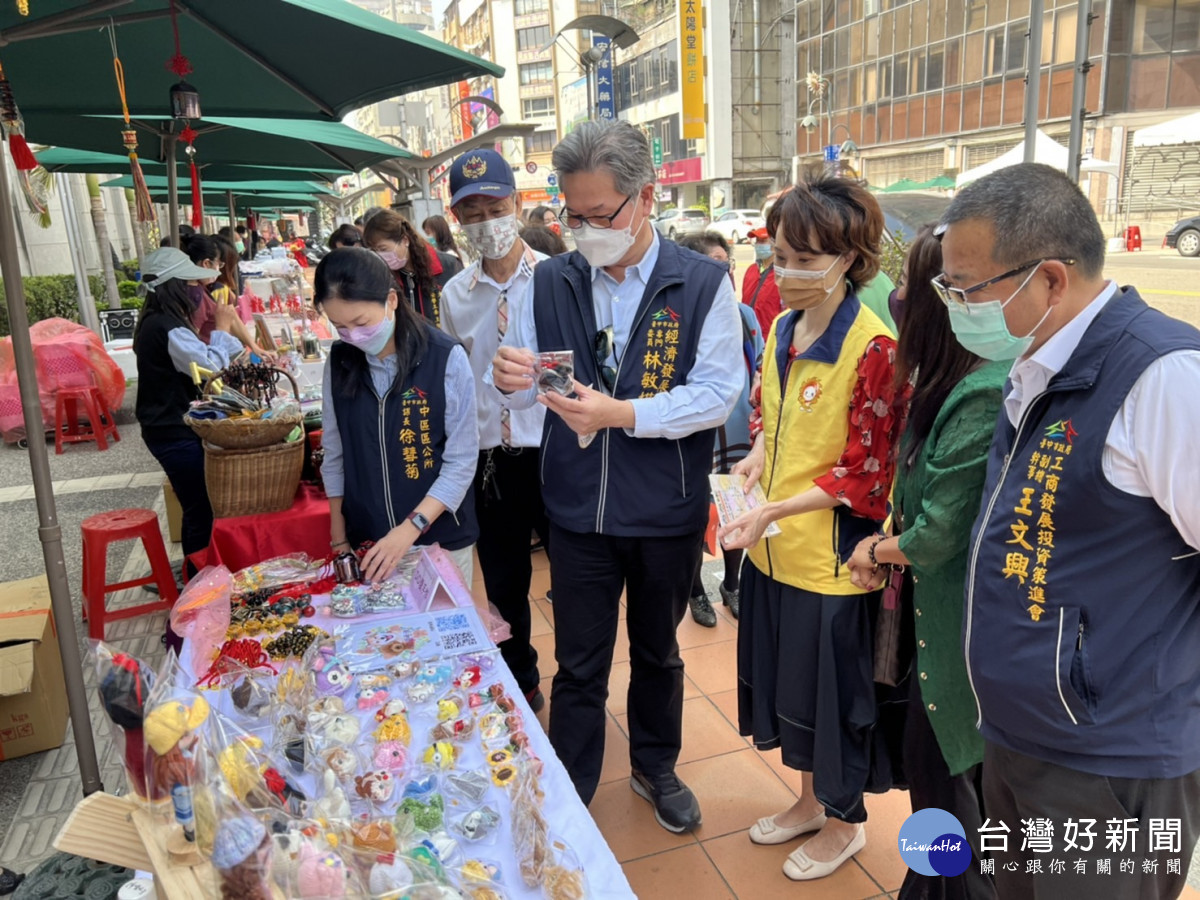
(419, 521)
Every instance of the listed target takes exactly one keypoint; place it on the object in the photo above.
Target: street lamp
(620, 34)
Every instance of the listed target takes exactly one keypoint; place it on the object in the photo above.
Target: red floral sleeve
(862, 476)
(756, 420)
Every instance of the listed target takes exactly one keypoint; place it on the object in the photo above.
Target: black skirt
(805, 685)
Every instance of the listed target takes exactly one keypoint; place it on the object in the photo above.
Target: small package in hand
(556, 372)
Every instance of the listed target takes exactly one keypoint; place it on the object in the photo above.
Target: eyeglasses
(575, 222)
(950, 294)
(604, 349)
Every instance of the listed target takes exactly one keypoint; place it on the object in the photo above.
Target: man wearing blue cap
(475, 309)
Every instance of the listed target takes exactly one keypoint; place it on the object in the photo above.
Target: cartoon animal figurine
(377, 836)
(324, 709)
(421, 787)
(390, 876)
(320, 875)
(405, 667)
(441, 755)
(435, 673)
(390, 755)
(341, 761)
(342, 729)
(478, 823)
(371, 697)
(449, 707)
(374, 680)
(333, 805)
(468, 678)
(332, 675)
(426, 816)
(395, 728)
(377, 786)
(394, 707)
(490, 694)
(453, 730)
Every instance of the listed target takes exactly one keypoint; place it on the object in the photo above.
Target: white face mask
(493, 238)
(605, 246)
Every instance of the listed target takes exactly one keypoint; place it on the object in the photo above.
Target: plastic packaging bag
(125, 684)
(201, 615)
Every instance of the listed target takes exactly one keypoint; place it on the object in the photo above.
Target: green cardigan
(938, 499)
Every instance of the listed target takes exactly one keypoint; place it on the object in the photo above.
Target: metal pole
(1033, 78)
(232, 215)
(87, 303)
(172, 191)
(1079, 89)
(49, 531)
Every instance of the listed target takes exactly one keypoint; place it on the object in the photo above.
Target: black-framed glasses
(604, 349)
(575, 222)
(949, 294)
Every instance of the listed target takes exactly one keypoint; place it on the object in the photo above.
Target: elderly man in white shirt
(475, 308)
(1082, 621)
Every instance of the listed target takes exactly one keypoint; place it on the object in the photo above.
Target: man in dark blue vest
(656, 340)
(1082, 632)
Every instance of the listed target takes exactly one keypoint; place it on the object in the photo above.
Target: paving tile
(540, 582)
(627, 823)
(881, 858)
(754, 871)
(705, 731)
(713, 667)
(691, 634)
(726, 703)
(538, 623)
(616, 753)
(544, 645)
(683, 872)
(735, 790)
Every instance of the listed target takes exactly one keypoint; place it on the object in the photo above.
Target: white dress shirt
(1148, 451)
(469, 305)
(712, 386)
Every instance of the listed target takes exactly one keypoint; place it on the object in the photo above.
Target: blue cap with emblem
(482, 173)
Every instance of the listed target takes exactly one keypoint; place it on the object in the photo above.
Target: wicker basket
(246, 433)
(242, 482)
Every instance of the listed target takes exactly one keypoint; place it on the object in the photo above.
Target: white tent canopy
(1184, 130)
(1046, 150)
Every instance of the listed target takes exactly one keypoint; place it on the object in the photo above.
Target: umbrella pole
(172, 192)
(232, 214)
(49, 530)
(87, 303)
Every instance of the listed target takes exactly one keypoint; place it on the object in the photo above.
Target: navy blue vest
(620, 485)
(1082, 632)
(393, 449)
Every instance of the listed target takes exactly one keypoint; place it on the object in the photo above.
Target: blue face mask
(762, 252)
(982, 328)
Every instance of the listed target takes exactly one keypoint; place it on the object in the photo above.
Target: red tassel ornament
(10, 118)
(145, 207)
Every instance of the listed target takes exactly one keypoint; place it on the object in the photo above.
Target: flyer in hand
(732, 501)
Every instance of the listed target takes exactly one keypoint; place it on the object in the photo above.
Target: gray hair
(612, 145)
(1036, 212)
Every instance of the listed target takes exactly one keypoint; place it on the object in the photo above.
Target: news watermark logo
(933, 842)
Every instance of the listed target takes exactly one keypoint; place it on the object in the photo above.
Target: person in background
(825, 455)
(1082, 630)
(415, 266)
(876, 296)
(437, 230)
(939, 480)
(542, 215)
(345, 236)
(733, 438)
(185, 231)
(398, 420)
(758, 284)
(205, 251)
(475, 310)
(166, 344)
(543, 240)
(653, 328)
(228, 286)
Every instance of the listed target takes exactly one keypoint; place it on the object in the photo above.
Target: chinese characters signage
(1077, 847)
(415, 434)
(464, 110)
(691, 50)
(660, 358)
(606, 100)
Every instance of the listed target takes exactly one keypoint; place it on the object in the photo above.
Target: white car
(736, 224)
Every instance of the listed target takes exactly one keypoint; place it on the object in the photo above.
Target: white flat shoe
(799, 867)
(766, 831)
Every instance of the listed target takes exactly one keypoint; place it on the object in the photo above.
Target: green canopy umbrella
(941, 183)
(158, 184)
(64, 159)
(286, 58)
(904, 184)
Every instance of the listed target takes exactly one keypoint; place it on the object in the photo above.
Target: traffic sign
(552, 190)
(531, 167)
(657, 149)
(552, 179)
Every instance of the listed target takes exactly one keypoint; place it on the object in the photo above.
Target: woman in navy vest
(398, 421)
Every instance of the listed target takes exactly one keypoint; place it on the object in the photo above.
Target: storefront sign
(682, 171)
(691, 48)
(606, 101)
(464, 111)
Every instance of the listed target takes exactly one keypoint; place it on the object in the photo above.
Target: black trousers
(587, 574)
(1017, 787)
(508, 504)
(930, 784)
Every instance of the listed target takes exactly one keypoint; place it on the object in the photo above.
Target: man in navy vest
(656, 339)
(1081, 633)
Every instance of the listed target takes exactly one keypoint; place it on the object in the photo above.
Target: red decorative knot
(243, 652)
(188, 135)
(180, 65)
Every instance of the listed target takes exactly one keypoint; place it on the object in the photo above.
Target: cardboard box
(174, 513)
(33, 695)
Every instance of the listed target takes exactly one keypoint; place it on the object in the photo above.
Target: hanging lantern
(185, 101)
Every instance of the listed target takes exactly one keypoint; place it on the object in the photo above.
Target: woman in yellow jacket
(831, 417)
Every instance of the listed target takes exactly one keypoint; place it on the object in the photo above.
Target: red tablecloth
(241, 541)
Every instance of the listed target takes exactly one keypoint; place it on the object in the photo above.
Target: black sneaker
(730, 599)
(675, 806)
(702, 611)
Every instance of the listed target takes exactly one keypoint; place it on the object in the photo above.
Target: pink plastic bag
(201, 615)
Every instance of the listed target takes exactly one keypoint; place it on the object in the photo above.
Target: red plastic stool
(66, 413)
(107, 528)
